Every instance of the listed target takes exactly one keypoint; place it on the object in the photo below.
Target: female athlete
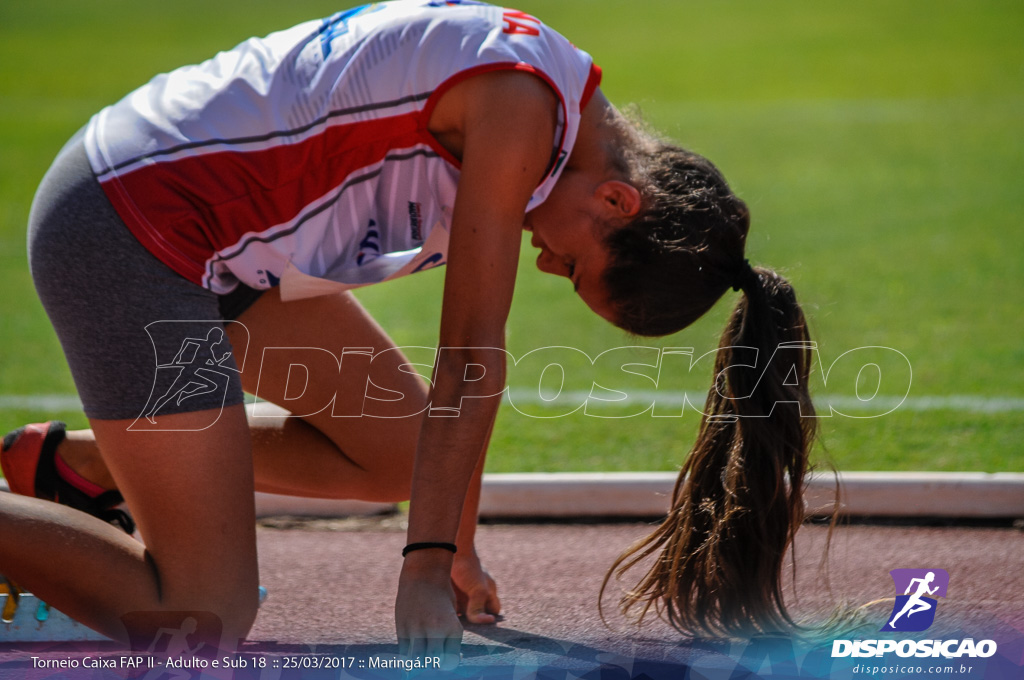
(249, 193)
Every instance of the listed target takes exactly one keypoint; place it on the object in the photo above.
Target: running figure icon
(915, 604)
(195, 361)
(177, 647)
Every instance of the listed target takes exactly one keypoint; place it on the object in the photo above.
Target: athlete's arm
(507, 123)
(475, 590)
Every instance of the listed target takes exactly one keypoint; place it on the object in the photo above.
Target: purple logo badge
(916, 590)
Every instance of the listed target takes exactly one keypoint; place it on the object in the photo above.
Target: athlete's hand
(476, 592)
(425, 616)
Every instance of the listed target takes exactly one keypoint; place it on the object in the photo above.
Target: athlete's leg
(191, 492)
(368, 458)
(319, 455)
(191, 495)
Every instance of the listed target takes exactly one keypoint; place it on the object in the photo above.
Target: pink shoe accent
(76, 480)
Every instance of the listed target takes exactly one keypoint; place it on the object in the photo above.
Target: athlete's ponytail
(718, 556)
(738, 501)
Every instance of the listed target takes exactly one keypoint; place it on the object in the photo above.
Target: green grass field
(879, 145)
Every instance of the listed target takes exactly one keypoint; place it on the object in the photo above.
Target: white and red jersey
(305, 155)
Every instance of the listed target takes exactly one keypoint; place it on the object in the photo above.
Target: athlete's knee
(176, 630)
(227, 615)
(223, 602)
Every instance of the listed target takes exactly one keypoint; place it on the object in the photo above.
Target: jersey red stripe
(197, 205)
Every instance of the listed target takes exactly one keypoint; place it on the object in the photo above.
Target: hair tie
(745, 277)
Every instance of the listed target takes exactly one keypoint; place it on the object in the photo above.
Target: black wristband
(413, 547)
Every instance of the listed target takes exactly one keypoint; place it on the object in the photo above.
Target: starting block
(26, 618)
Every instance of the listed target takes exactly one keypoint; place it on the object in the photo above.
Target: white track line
(964, 403)
(40, 402)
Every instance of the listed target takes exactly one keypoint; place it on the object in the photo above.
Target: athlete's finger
(477, 608)
(404, 645)
(418, 647)
(452, 653)
(493, 601)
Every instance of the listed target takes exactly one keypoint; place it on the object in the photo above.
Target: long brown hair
(718, 556)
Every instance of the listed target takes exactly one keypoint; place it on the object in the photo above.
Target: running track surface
(337, 588)
(332, 585)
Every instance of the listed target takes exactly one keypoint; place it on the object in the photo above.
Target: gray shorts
(140, 339)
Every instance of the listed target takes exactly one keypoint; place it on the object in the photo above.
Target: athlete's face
(570, 228)
(567, 230)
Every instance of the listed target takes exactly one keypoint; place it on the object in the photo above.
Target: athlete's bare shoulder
(514, 95)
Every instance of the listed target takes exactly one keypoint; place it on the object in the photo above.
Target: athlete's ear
(620, 199)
